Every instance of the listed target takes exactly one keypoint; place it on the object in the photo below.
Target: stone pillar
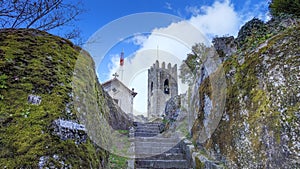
(131, 161)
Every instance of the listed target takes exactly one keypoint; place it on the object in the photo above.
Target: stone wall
(160, 77)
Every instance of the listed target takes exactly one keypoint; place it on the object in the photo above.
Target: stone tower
(162, 85)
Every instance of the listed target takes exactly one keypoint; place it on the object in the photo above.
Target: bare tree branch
(20, 14)
(39, 14)
(45, 11)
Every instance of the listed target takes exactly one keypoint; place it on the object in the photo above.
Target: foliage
(117, 162)
(25, 112)
(191, 65)
(124, 132)
(278, 7)
(251, 34)
(3, 79)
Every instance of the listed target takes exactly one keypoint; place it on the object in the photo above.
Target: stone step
(147, 130)
(164, 156)
(158, 138)
(144, 134)
(156, 150)
(147, 125)
(156, 144)
(140, 124)
(161, 164)
(156, 168)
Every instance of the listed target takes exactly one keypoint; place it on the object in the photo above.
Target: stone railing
(197, 159)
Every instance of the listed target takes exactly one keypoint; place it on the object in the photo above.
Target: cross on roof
(116, 75)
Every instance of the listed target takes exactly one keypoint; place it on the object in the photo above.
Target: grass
(117, 162)
(124, 132)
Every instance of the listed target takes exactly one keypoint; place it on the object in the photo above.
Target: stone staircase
(153, 150)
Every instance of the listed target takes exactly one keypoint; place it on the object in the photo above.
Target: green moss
(3, 79)
(199, 164)
(252, 99)
(291, 115)
(117, 162)
(124, 132)
(41, 64)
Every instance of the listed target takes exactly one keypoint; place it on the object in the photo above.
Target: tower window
(151, 88)
(166, 87)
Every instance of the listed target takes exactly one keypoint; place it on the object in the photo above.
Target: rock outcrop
(53, 111)
(259, 126)
(117, 119)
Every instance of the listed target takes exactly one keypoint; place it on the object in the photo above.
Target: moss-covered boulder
(39, 126)
(260, 122)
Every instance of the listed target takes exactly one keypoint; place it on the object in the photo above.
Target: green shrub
(3, 79)
(278, 7)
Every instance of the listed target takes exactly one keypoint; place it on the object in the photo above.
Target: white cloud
(249, 11)
(194, 10)
(171, 44)
(263, 15)
(219, 19)
(113, 65)
(168, 6)
(138, 39)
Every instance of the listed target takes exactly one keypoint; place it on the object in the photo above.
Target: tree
(44, 15)
(192, 64)
(278, 7)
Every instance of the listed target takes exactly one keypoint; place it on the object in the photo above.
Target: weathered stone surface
(32, 99)
(172, 108)
(45, 134)
(117, 119)
(157, 151)
(225, 46)
(66, 129)
(162, 85)
(260, 123)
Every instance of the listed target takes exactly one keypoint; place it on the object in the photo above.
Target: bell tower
(162, 85)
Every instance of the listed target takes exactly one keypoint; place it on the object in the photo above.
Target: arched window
(166, 87)
(151, 88)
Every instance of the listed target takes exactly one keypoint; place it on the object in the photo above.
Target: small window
(114, 90)
(166, 87)
(151, 88)
(116, 101)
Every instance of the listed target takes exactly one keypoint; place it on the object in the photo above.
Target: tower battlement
(169, 69)
(162, 85)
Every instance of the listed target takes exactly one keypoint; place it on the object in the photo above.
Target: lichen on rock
(260, 122)
(47, 133)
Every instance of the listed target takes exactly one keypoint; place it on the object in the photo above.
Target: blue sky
(100, 12)
(166, 34)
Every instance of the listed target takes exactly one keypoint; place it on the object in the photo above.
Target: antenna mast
(157, 56)
(122, 63)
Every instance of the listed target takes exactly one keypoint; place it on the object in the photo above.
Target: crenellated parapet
(163, 67)
(162, 85)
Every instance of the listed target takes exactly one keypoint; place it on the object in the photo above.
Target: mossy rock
(37, 63)
(262, 101)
